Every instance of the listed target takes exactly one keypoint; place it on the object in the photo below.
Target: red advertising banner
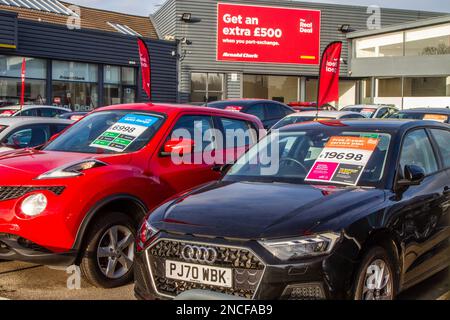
(22, 76)
(329, 74)
(145, 67)
(248, 33)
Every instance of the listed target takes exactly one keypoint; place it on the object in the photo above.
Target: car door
(178, 175)
(239, 135)
(28, 136)
(422, 209)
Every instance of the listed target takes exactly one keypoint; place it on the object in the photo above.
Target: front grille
(247, 269)
(9, 193)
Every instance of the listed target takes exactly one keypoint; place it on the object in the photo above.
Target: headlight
(72, 170)
(147, 233)
(309, 246)
(34, 204)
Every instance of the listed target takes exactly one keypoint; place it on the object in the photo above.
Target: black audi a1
(325, 210)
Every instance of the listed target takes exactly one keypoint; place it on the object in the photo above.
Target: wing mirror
(414, 175)
(178, 147)
(53, 137)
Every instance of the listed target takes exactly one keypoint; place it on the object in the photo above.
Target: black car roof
(427, 110)
(388, 125)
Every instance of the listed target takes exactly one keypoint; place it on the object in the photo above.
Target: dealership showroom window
(10, 82)
(73, 85)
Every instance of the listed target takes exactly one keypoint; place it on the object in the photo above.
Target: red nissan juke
(79, 199)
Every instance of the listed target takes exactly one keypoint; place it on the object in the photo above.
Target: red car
(79, 199)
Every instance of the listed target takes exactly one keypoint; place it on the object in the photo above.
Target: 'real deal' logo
(306, 27)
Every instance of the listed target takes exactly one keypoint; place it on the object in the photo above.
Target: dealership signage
(267, 34)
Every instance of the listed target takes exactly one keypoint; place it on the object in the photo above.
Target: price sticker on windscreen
(436, 117)
(124, 132)
(343, 160)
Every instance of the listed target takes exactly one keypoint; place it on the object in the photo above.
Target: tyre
(107, 260)
(376, 277)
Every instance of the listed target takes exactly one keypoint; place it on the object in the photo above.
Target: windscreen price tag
(343, 160)
(124, 132)
(435, 117)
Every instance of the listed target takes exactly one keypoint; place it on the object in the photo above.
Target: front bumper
(16, 248)
(257, 274)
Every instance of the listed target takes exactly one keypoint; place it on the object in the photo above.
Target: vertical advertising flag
(144, 57)
(22, 76)
(329, 74)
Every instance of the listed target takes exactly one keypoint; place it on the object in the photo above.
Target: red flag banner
(145, 67)
(22, 76)
(329, 74)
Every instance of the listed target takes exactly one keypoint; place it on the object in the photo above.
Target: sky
(145, 7)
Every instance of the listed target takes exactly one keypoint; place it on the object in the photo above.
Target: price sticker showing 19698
(124, 132)
(343, 160)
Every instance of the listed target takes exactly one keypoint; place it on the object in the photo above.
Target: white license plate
(214, 276)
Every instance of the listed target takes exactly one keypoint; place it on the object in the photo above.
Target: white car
(314, 115)
(373, 111)
(32, 111)
(28, 132)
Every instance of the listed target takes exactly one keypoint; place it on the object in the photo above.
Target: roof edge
(402, 26)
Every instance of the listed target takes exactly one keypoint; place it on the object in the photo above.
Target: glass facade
(279, 88)
(428, 41)
(11, 85)
(74, 85)
(119, 85)
(433, 40)
(207, 87)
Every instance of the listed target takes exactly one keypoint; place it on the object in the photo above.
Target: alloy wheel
(115, 252)
(378, 282)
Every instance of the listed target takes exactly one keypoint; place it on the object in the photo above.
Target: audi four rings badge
(199, 254)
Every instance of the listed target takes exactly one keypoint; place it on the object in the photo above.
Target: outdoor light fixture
(187, 17)
(346, 28)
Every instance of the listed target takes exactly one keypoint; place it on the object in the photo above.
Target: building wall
(201, 55)
(42, 40)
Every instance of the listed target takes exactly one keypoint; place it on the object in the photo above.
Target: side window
(274, 111)
(238, 133)
(442, 138)
(191, 125)
(48, 113)
(28, 113)
(58, 128)
(256, 110)
(28, 137)
(417, 150)
(382, 113)
(353, 116)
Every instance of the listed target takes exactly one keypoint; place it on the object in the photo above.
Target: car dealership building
(242, 49)
(79, 57)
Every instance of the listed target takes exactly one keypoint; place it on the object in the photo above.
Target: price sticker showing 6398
(343, 160)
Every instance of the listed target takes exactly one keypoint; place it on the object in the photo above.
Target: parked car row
(329, 205)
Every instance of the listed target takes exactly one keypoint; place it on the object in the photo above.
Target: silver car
(313, 115)
(373, 111)
(28, 132)
(32, 111)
